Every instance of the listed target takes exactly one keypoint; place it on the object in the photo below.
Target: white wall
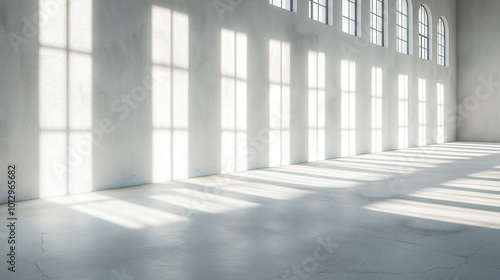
(479, 76)
(47, 111)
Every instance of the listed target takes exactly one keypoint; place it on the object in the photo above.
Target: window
(285, 4)
(402, 37)
(349, 16)
(318, 10)
(442, 38)
(423, 34)
(377, 22)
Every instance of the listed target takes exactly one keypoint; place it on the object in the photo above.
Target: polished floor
(421, 213)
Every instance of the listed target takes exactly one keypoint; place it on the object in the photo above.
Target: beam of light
(118, 212)
(469, 197)
(316, 106)
(199, 200)
(80, 26)
(161, 119)
(340, 173)
(475, 145)
(251, 191)
(80, 91)
(161, 36)
(422, 112)
(52, 89)
(377, 109)
(403, 111)
(54, 28)
(464, 151)
(400, 163)
(461, 152)
(437, 212)
(80, 119)
(65, 98)
(80, 162)
(170, 94)
(290, 179)
(233, 101)
(366, 165)
(423, 156)
(475, 184)
(53, 164)
(490, 174)
(279, 103)
(440, 113)
(180, 96)
(263, 190)
(348, 108)
(429, 151)
(313, 107)
(161, 94)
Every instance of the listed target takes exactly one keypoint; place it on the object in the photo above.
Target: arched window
(442, 43)
(423, 34)
(377, 22)
(350, 16)
(402, 26)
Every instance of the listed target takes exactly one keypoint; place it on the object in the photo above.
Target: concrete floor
(422, 213)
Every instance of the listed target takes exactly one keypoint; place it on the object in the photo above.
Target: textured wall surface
(479, 75)
(147, 83)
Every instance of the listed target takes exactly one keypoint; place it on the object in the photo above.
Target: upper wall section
(105, 94)
(478, 71)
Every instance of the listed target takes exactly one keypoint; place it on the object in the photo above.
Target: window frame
(377, 33)
(442, 42)
(424, 40)
(347, 19)
(403, 16)
(325, 7)
(280, 4)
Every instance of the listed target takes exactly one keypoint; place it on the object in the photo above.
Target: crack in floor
(42, 240)
(457, 266)
(38, 269)
(429, 270)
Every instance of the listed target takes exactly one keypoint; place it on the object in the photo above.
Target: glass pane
(345, 25)
(345, 8)
(322, 14)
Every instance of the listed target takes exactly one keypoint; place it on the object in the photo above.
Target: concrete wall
(479, 75)
(151, 97)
